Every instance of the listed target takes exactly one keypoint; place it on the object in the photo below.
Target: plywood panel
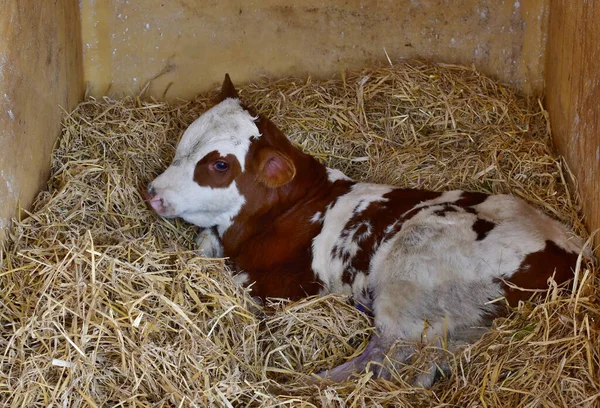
(40, 71)
(573, 94)
(182, 47)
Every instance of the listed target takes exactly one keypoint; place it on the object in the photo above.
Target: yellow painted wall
(183, 47)
(40, 71)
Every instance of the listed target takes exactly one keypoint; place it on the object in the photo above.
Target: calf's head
(225, 152)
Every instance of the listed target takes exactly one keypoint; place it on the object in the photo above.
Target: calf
(295, 228)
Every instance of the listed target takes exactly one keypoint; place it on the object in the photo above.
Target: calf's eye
(220, 165)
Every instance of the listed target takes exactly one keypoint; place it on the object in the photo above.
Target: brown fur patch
(535, 270)
(469, 199)
(274, 168)
(207, 176)
(482, 228)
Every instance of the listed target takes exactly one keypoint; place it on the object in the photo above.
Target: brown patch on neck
(308, 184)
(271, 238)
(207, 177)
(535, 270)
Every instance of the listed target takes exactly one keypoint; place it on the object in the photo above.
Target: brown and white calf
(294, 228)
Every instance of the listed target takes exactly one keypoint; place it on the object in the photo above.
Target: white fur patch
(317, 217)
(199, 205)
(241, 279)
(530, 221)
(334, 174)
(227, 128)
(209, 244)
(328, 268)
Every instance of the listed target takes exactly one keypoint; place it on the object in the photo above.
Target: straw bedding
(106, 304)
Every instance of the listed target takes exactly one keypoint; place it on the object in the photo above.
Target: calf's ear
(227, 90)
(275, 168)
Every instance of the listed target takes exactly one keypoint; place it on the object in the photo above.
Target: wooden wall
(40, 72)
(573, 94)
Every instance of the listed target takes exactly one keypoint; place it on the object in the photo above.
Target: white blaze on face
(226, 128)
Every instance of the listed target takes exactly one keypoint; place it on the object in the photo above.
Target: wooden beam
(573, 95)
